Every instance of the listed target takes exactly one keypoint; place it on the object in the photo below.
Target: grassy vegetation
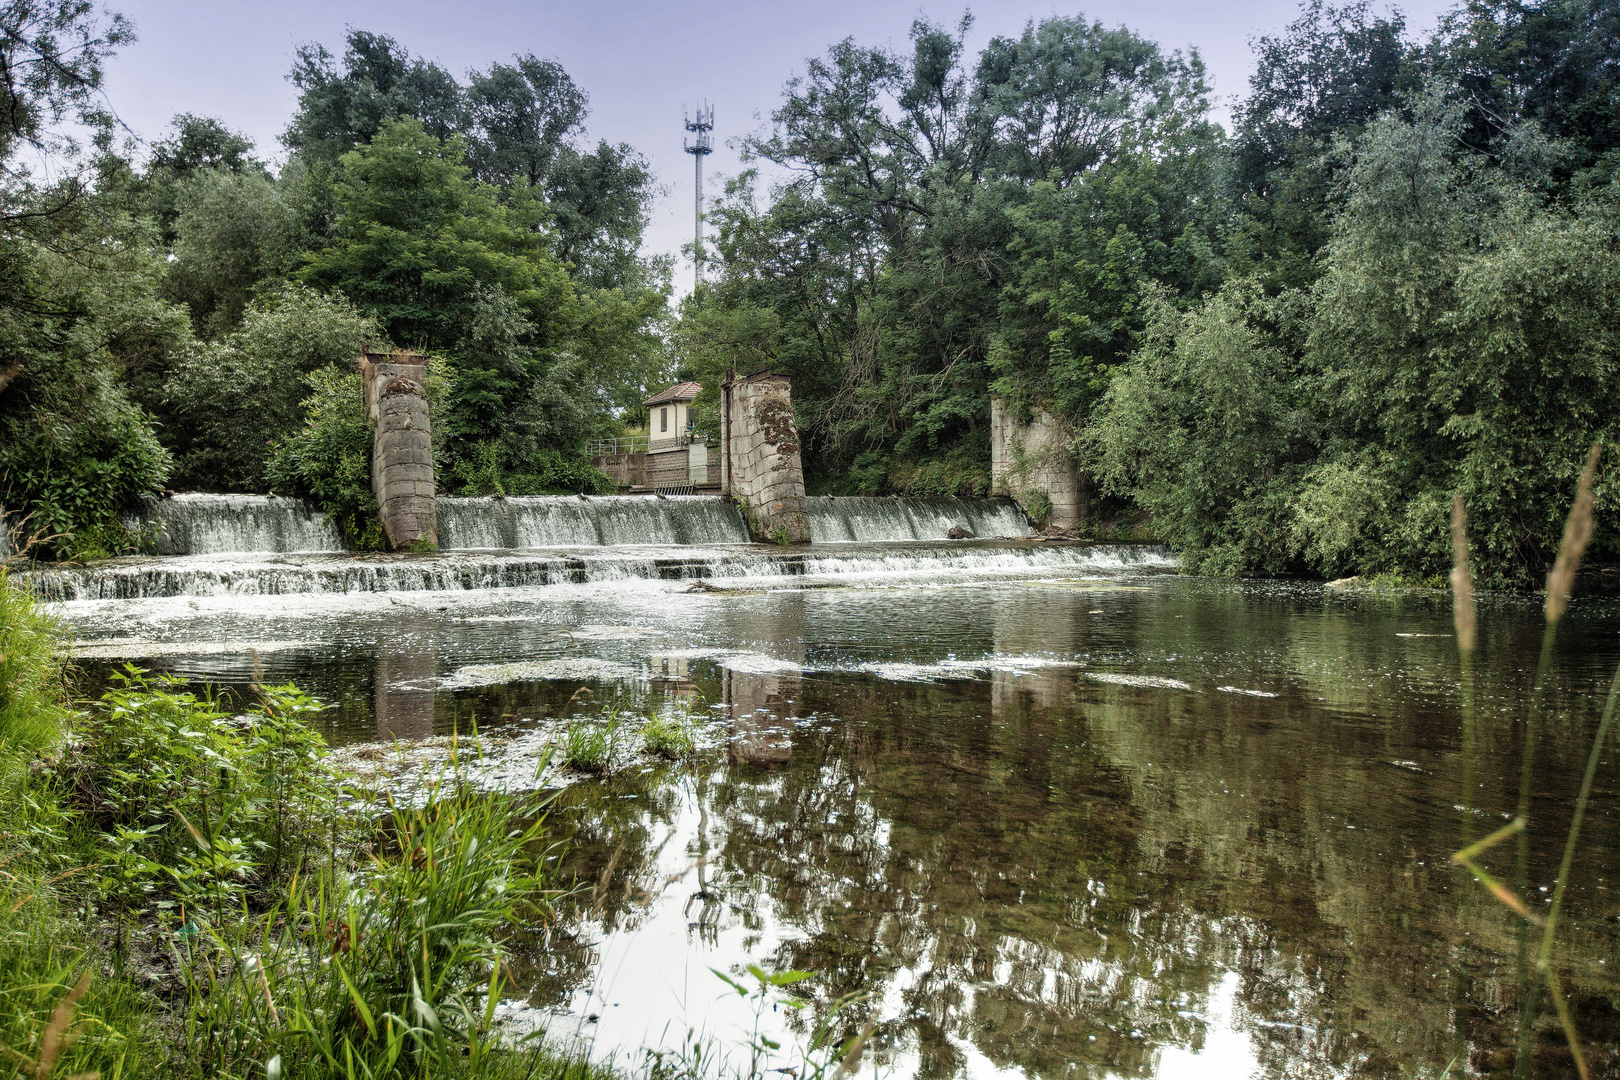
(186, 891)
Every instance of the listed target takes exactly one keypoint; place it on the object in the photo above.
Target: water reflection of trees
(1057, 872)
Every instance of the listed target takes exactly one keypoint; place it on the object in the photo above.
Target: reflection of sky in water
(1123, 826)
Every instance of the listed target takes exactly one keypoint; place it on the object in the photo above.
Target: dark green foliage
(416, 238)
(75, 451)
(228, 402)
(958, 224)
(1461, 339)
(196, 146)
(379, 82)
(1209, 428)
(232, 230)
(328, 461)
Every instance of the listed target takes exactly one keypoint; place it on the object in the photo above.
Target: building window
(663, 419)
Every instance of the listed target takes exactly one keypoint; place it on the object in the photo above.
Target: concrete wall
(628, 468)
(760, 464)
(401, 447)
(1032, 463)
(668, 469)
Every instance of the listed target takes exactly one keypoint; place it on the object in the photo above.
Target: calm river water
(1106, 822)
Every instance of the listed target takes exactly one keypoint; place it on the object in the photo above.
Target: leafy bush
(481, 471)
(72, 473)
(228, 402)
(329, 461)
(197, 806)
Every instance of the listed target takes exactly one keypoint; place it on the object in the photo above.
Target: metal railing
(629, 444)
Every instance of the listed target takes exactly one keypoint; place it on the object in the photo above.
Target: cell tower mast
(700, 147)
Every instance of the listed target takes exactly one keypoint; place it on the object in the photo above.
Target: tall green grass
(31, 712)
(1536, 961)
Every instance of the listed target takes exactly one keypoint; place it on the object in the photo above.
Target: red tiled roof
(685, 391)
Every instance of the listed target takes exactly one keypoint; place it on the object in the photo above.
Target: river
(1039, 811)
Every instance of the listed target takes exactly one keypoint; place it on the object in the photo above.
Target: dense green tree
(1461, 339)
(379, 82)
(1325, 77)
(195, 145)
(80, 306)
(232, 231)
(947, 224)
(416, 237)
(1555, 63)
(82, 310)
(525, 115)
(227, 402)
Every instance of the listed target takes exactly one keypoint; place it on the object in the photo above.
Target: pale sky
(640, 62)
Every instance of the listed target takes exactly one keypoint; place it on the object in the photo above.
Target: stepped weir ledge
(224, 545)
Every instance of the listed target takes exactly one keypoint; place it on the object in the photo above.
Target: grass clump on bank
(183, 893)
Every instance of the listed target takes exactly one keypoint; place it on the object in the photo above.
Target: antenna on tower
(700, 147)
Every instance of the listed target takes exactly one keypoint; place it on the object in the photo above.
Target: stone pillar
(401, 447)
(1032, 463)
(759, 457)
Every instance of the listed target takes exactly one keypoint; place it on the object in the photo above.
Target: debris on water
(701, 586)
(133, 649)
(604, 632)
(1241, 690)
(1354, 582)
(1150, 681)
(580, 667)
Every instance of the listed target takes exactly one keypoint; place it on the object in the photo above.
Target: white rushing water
(860, 519)
(542, 521)
(741, 566)
(198, 524)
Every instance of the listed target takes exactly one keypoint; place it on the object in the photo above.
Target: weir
(149, 578)
(197, 524)
(224, 545)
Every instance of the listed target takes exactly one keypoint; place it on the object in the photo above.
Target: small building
(671, 458)
(670, 417)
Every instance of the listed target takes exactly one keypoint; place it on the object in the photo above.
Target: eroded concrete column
(401, 447)
(760, 465)
(1032, 462)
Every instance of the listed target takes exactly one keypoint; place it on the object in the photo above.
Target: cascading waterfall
(148, 578)
(197, 524)
(834, 519)
(543, 521)
(224, 545)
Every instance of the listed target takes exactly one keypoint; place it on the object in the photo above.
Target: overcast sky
(640, 62)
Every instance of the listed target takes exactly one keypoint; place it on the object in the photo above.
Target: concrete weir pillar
(759, 456)
(1031, 461)
(401, 447)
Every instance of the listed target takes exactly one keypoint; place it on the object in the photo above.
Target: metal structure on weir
(700, 147)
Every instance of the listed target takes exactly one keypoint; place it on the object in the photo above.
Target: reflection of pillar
(759, 706)
(403, 694)
(1034, 622)
(1038, 688)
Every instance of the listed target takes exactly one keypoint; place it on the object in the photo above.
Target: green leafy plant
(669, 736)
